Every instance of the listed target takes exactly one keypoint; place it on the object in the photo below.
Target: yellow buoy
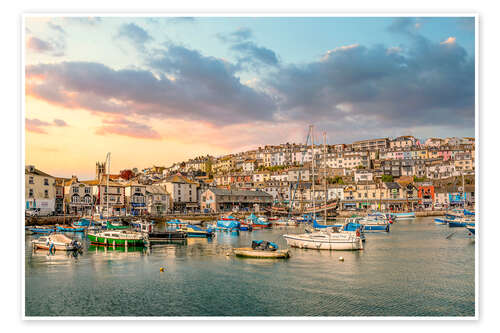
(161, 269)
(341, 258)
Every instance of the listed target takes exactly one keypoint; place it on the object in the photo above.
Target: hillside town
(395, 174)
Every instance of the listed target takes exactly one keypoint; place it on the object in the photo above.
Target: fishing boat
(262, 250)
(118, 238)
(57, 242)
(41, 229)
(195, 231)
(257, 222)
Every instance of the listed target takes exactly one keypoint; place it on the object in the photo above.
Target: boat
(83, 222)
(57, 242)
(318, 226)
(471, 228)
(118, 238)
(460, 222)
(262, 250)
(440, 221)
(257, 222)
(176, 223)
(69, 228)
(375, 224)
(115, 226)
(41, 229)
(195, 231)
(166, 236)
(142, 226)
(404, 216)
(328, 239)
(229, 224)
(248, 252)
(287, 223)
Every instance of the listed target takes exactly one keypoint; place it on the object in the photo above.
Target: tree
(387, 178)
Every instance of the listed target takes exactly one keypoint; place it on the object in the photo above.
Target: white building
(40, 190)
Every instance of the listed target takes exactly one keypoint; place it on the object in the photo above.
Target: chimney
(31, 168)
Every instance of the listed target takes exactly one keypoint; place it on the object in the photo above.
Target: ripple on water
(411, 271)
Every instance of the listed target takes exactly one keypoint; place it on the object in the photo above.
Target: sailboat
(328, 238)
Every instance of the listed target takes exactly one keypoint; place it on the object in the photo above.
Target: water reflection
(412, 270)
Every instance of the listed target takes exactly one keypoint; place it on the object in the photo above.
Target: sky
(159, 90)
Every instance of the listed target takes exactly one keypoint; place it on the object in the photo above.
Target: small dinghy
(262, 250)
(57, 242)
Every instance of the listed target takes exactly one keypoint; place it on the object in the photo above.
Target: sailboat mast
(108, 164)
(324, 166)
(312, 166)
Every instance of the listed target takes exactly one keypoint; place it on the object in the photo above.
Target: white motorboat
(286, 222)
(330, 239)
(59, 242)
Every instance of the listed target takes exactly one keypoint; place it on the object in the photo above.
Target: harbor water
(414, 270)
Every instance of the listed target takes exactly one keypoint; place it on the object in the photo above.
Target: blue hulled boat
(316, 225)
(471, 228)
(41, 229)
(440, 221)
(404, 216)
(69, 229)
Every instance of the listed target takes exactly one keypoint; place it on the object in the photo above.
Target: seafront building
(387, 173)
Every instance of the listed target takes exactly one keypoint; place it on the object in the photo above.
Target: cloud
(134, 34)
(51, 47)
(449, 40)
(60, 123)
(181, 83)
(124, 127)
(56, 27)
(241, 34)
(38, 126)
(249, 53)
(90, 20)
(429, 85)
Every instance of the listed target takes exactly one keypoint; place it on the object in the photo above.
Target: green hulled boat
(117, 237)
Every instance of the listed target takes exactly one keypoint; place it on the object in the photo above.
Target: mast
(108, 164)
(324, 166)
(463, 191)
(312, 165)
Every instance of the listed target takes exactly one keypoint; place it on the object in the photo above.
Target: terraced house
(40, 190)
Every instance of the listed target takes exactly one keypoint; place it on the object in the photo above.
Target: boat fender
(341, 258)
(162, 269)
(387, 228)
(52, 248)
(358, 233)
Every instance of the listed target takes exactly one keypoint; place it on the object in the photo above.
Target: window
(46, 193)
(30, 181)
(87, 190)
(75, 189)
(31, 193)
(118, 190)
(179, 192)
(45, 181)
